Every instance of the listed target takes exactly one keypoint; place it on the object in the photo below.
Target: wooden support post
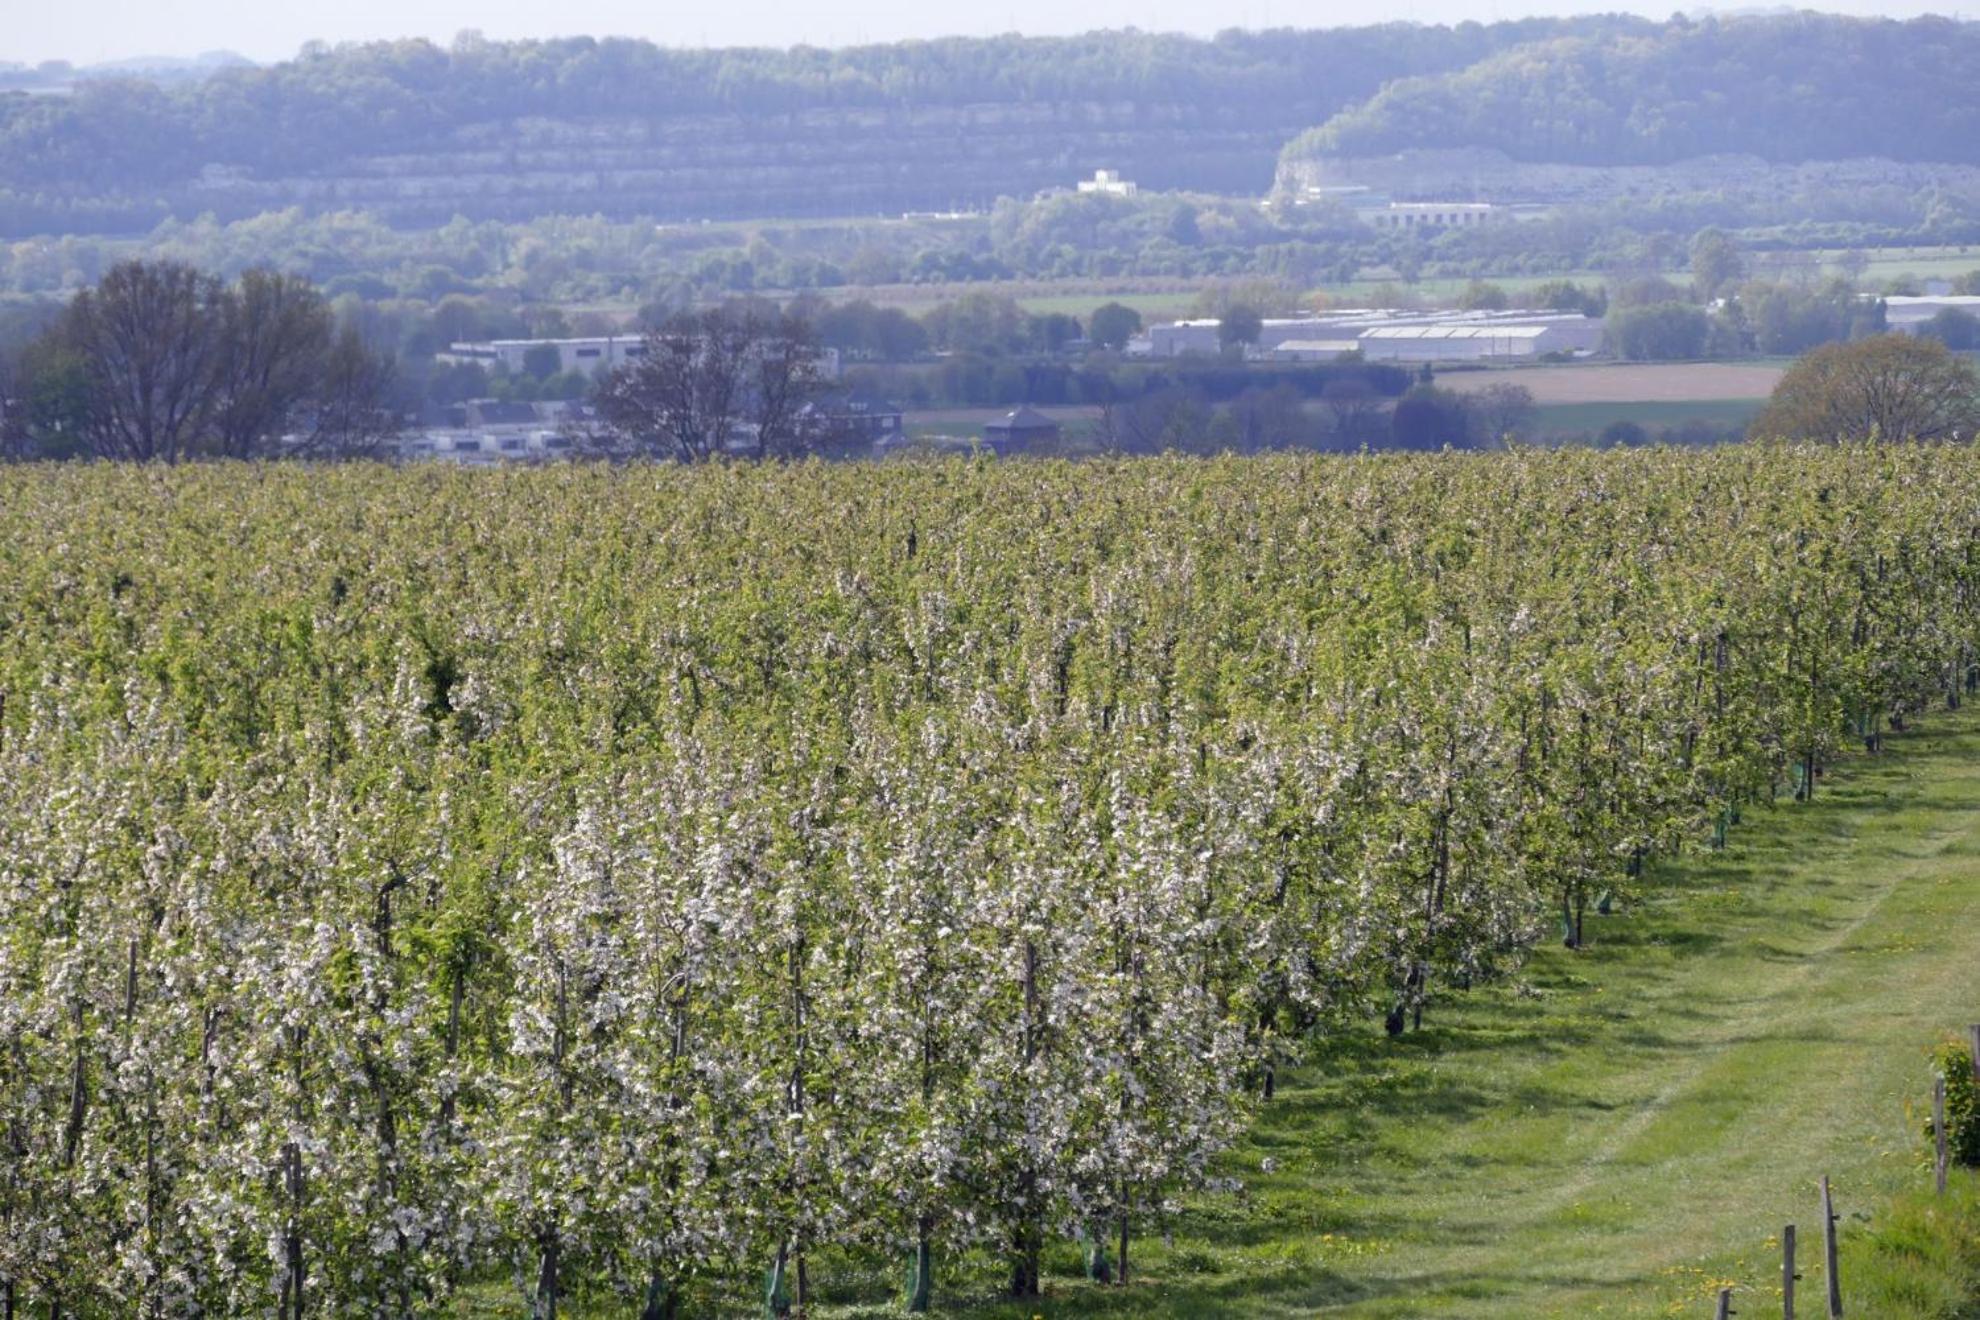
(1829, 1250)
(1939, 1133)
(1725, 1308)
(1789, 1276)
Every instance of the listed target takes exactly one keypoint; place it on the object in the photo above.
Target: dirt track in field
(1676, 382)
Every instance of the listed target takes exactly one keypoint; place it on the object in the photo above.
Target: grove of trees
(609, 887)
(160, 362)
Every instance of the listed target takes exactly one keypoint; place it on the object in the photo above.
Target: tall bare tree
(152, 337)
(1499, 413)
(1356, 409)
(348, 409)
(276, 332)
(709, 381)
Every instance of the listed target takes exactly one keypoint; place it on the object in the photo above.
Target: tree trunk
(799, 1026)
(294, 1266)
(1122, 1277)
(72, 1131)
(662, 1302)
(545, 1305)
(456, 991)
(1025, 1248)
(1028, 1239)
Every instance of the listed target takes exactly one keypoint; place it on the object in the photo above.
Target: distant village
(489, 432)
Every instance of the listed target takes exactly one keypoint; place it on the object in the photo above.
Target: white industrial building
(1179, 337)
(1382, 334)
(1314, 350)
(591, 356)
(1456, 343)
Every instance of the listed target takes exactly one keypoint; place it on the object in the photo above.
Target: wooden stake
(1788, 1274)
(1939, 1133)
(1725, 1309)
(1829, 1250)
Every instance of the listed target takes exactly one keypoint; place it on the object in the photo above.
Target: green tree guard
(776, 1292)
(921, 1278)
(1098, 1268)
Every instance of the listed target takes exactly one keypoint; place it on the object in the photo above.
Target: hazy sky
(272, 29)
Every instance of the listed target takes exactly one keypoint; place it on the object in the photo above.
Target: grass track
(1634, 1123)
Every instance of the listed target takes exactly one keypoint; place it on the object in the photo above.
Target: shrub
(1955, 1060)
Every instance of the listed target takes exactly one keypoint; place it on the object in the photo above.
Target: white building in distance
(591, 356)
(1431, 215)
(1109, 182)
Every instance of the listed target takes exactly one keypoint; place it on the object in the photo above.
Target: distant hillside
(418, 133)
(1782, 88)
(61, 76)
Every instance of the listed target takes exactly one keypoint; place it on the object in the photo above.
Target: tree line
(160, 362)
(124, 142)
(1782, 87)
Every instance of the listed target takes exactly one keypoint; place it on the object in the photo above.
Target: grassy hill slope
(1631, 1125)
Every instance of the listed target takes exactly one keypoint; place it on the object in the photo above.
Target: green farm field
(1580, 418)
(1924, 262)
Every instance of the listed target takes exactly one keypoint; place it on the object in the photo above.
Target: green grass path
(1632, 1124)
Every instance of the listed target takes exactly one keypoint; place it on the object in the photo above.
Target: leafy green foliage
(1659, 331)
(1919, 1259)
(1953, 1060)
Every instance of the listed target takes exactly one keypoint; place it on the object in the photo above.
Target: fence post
(1788, 1275)
(1829, 1250)
(1725, 1309)
(1939, 1133)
